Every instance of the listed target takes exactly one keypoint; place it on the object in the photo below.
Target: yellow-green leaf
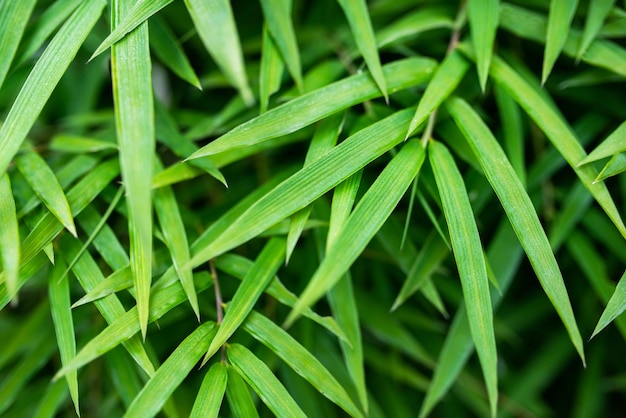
(9, 237)
(483, 20)
(14, 16)
(559, 21)
(211, 392)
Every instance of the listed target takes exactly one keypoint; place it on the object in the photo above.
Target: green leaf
(613, 144)
(252, 286)
(359, 19)
(559, 21)
(369, 215)
(59, 293)
(166, 47)
(134, 121)
(42, 180)
(470, 262)
(520, 211)
(445, 79)
(238, 396)
(596, 13)
(483, 20)
(512, 131)
(14, 16)
(118, 280)
(615, 306)
(126, 325)
(319, 104)
(309, 183)
(216, 27)
(277, 15)
(173, 228)
(299, 359)
(172, 372)
(44, 77)
(263, 381)
(79, 144)
(271, 72)
(133, 17)
(211, 392)
(239, 267)
(613, 167)
(9, 237)
(552, 123)
(414, 23)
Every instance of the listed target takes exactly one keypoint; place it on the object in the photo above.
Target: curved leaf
(211, 393)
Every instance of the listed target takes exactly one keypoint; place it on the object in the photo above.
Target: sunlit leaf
(14, 16)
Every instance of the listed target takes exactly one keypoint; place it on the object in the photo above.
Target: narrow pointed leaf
(512, 131)
(470, 262)
(171, 373)
(262, 380)
(216, 27)
(126, 325)
(134, 121)
(552, 123)
(369, 215)
(132, 18)
(445, 79)
(44, 77)
(173, 229)
(117, 281)
(211, 392)
(59, 292)
(42, 180)
(613, 144)
(239, 397)
(596, 13)
(483, 20)
(299, 359)
(318, 104)
(520, 211)
(613, 167)
(299, 190)
(166, 47)
(252, 286)
(14, 16)
(615, 306)
(278, 19)
(359, 19)
(414, 23)
(559, 21)
(271, 72)
(9, 237)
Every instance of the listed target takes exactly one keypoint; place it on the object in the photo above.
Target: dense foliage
(436, 184)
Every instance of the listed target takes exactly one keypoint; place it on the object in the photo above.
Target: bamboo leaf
(257, 279)
(445, 79)
(596, 13)
(613, 167)
(126, 325)
(166, 207)
(613, 144)
(615, 306)
(369, 215)
(59, 292)
(118, 280)
(170, 53)
(134, 121)
(519, 210)
(359, 19)
(558, 132)
(14, 16)
(512, 131)
(277, 15)
(299, 190)
(319, 104)
(271, 72)
(216, 27)
(299, 359)
(263, 381)
(238, 396)
(170, 375)
(42, 180)
(483, 20)
(211, 393)
(44, 77)
(470, 262)
(9, 238)
(414, 23)
(559, 21)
